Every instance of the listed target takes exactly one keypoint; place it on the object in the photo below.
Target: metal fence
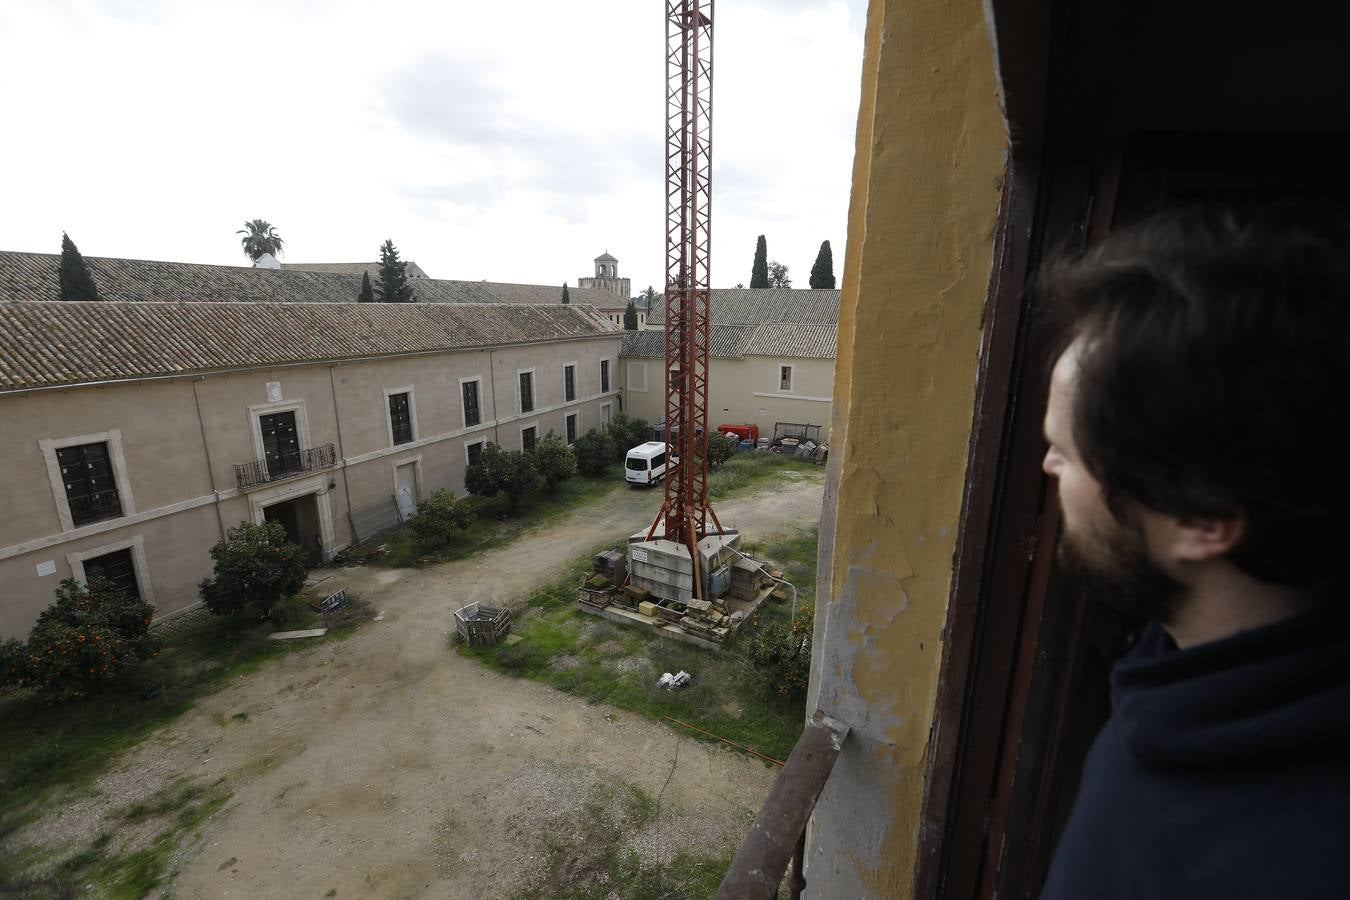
(793, 430)
(375, 518)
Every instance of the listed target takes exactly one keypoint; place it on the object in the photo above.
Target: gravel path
(387, 765)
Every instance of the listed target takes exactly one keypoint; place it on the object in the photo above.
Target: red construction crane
(689, 39)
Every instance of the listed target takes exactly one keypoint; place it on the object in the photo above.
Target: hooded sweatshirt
(1223, 772)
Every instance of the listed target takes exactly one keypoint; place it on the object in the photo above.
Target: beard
(1115, 568)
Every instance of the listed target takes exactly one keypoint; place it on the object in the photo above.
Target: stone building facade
(136, 433)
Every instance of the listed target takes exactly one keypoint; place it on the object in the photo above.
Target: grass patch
(748, 470)
(585, 857)
(130, 871)
(610, 663)
(494, 525)
(48, 753)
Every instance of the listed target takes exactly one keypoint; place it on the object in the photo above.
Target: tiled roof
(358, 268)
(728, 342)
(33, 276)
(53, 344)
(742, 306)
(795, 341)
(782, 339)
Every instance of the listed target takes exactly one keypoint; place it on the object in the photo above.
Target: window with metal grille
(569, 383)
(526, 391)
(527, 438)
(785, 378)
(118, 568)
(471, 414)
(604, 376)
(91, 490)
(572, 428)
(400, 418)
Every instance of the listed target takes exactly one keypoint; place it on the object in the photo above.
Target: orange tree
(84, 640)
(255, 567)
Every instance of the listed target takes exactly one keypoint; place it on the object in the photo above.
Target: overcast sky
(508, 141)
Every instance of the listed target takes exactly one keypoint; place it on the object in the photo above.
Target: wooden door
(281, 444)
(406, 477)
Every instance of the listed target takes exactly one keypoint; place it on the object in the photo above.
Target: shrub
(508, 472)
(628, 432)
(88, 637)
(437, 517)
(594, 452)
(782, 654)
(720, 449)
(554, 460)
(255, 567)
(13, 663)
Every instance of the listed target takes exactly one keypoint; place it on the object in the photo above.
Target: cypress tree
(822, 273)
(76, 281)
(759, 272)
(367, 294)
(394, 287)
(630, 317)
(566, 297)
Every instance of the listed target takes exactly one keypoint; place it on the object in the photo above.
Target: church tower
(607, 278)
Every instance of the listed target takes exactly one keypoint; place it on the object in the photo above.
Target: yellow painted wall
(930, 153)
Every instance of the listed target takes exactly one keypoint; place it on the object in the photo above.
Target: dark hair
(1215, 374)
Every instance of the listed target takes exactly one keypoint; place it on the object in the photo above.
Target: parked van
(646, 463)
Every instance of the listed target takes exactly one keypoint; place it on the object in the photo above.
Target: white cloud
(510, 141)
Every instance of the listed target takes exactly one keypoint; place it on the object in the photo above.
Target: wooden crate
(478, 625)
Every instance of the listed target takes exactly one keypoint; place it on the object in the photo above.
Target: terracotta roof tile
(33, 276)
(59, 343)
(742, 306)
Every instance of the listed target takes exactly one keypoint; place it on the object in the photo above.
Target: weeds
(121, 868)
(49, 752)
(620, 666)
(585, 856)
(747, 470)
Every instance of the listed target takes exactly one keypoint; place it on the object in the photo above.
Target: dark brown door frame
(995, 666)
(1023, 54)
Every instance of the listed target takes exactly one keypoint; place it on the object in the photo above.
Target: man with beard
(1199, 435)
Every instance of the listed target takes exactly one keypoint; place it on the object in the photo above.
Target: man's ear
(1198, 540)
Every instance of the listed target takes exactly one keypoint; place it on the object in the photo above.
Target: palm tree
(259, 238)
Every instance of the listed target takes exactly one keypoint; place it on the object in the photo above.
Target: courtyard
(389, 765)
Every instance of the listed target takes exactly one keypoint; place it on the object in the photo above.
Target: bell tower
(607, 278)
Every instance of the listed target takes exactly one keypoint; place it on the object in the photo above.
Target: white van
(646, 463)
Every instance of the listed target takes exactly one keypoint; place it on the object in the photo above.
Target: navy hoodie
(1223, 772)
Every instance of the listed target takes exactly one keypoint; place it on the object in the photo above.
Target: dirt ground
(387, 765)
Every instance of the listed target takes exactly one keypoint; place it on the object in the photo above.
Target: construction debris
(674, 682)
(734, 587)
(294, 635)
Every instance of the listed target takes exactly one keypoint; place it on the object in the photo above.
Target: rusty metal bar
(780, 827)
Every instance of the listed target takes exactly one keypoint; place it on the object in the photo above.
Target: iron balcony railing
(285, 465)
(779, 833)
(95, 507)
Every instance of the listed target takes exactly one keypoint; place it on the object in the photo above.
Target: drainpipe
(210, 469)
(346, 482)
(492, 380)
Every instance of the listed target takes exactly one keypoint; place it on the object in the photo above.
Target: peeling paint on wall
(930, 150)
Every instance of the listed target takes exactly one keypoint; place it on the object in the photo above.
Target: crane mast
(689, 70)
